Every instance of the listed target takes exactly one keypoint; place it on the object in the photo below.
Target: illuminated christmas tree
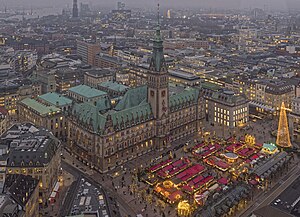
(283, 135)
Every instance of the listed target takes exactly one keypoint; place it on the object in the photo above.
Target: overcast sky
(238, 4)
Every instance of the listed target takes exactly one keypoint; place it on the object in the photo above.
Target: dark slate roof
(228, 98)
(277, 87)
(20, 187)
(29, 146)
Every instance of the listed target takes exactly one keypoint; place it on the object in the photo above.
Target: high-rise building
(87, 50)
(84, 9)
(75, 9)
(23, 60)
(120, 6)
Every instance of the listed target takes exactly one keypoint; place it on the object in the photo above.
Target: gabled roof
(132, 98)
(136, 114)
(189, 94)
(88, 113)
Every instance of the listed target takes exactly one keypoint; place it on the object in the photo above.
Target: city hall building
(146, 118)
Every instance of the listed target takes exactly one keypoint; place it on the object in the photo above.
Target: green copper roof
(87, 91)
(88, 113)
(270, 147)
(132, 98)
(157, 62)
(55, 99)
(135, 114)
(114, 86)
(103, 104)
(189, 94)
(39, 107)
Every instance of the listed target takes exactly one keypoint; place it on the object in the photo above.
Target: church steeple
(157, 62)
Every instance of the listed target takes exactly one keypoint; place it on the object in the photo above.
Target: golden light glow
(184, 208)
(283, 134)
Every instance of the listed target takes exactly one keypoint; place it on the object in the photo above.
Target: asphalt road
(281, 185)
(71, 193)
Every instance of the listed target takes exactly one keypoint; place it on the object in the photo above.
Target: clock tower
(158, 91)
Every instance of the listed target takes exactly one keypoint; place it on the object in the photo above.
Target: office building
(87, 50)
(75, 9)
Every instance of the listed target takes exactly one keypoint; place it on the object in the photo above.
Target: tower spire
(158, 23)
(158, 61)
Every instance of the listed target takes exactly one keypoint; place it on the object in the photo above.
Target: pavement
(54, 209)
(130, 204)
(261, 129)
(121, 185)
(112, 208)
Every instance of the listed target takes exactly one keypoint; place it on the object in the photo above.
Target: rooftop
(99, 72)
(183, 75)
(289, 200)
(277, 86)
(28, 145)
(109, 58)
(90, 200)
(211, 86)
(276, 159)
(55, 99)
(114, 86)
(228, 97)
(20, 187)
(87, 91)
(39, 107)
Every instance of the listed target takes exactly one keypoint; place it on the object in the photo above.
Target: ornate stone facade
(147, 118)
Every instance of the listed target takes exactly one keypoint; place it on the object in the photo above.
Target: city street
(265, 198)
(112, 183)
(117, 182)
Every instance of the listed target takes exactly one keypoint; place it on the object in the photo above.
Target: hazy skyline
(236, 4)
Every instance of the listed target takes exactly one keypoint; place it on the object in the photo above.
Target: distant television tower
(75, 9)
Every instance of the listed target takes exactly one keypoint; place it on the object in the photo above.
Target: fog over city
(235, 4)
